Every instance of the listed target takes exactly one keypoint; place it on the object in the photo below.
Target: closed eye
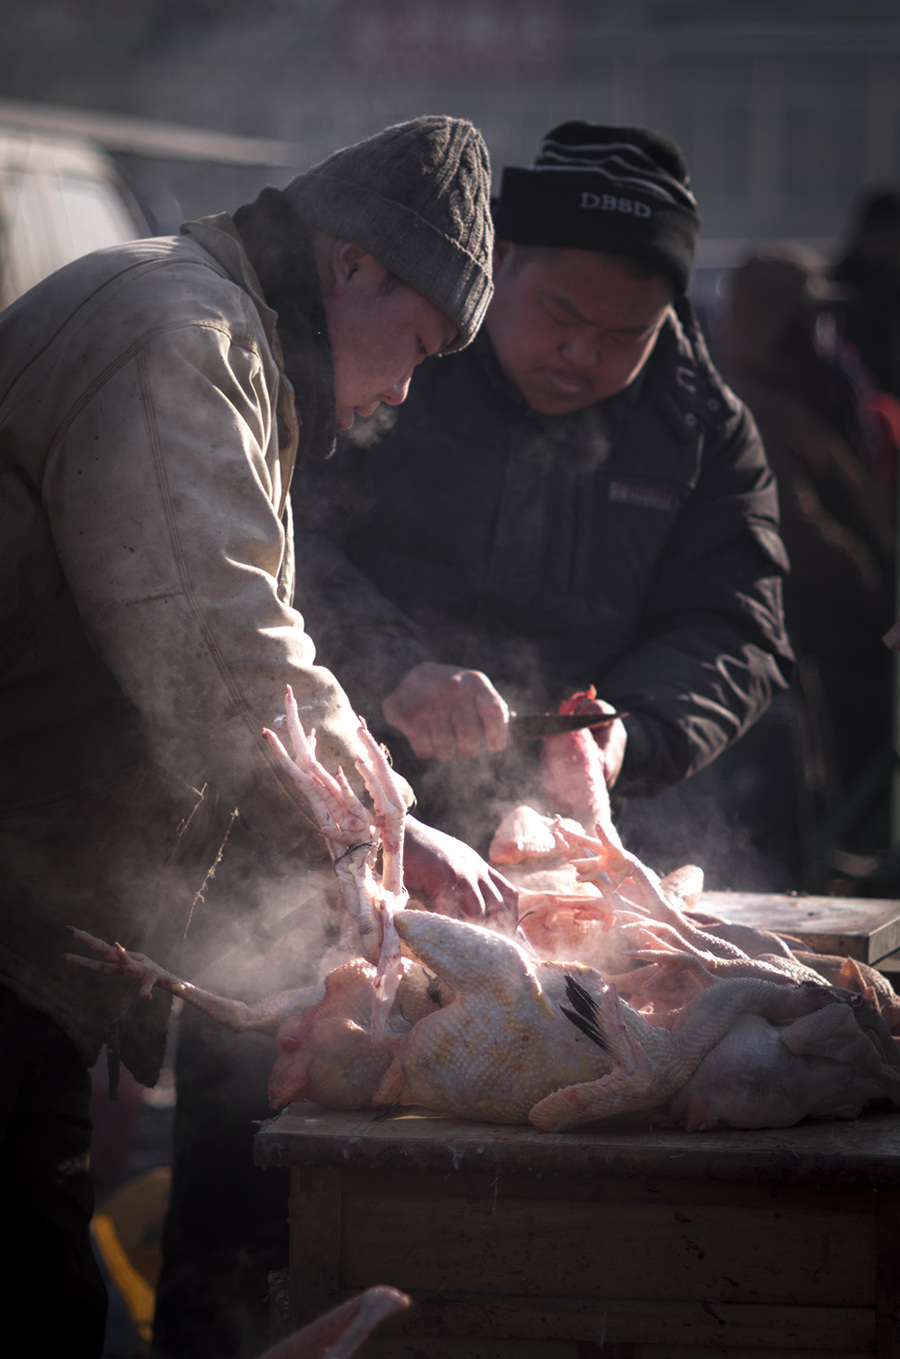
(563, 318)
(631, 336)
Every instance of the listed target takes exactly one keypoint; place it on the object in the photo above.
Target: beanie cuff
(569, 210)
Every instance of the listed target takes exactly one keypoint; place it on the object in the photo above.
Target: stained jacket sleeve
(165, 496)
(711, 650)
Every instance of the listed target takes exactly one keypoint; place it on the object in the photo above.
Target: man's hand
(611, 742)
(452, 879)
(445, 711)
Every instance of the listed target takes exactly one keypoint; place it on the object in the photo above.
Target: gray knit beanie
(417, 197)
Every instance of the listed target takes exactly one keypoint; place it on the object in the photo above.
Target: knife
(535, 726)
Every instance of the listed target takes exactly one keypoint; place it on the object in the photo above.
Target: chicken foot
(263, 1016)
(612, 868)
(345, 824)
(353, 836)
(665, 945)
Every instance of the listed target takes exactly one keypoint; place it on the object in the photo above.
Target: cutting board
(854, 927)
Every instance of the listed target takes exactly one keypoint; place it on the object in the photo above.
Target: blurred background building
(784, 111)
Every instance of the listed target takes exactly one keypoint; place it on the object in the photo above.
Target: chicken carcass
(717, 1035)
(666, 1017)
(331, 1053)
(502, 1042)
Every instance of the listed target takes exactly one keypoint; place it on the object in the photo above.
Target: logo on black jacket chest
(644, 497)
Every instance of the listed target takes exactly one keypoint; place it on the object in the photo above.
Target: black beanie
(619, 190)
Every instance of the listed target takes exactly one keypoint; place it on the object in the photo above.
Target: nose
(581, 349)
(396, 395)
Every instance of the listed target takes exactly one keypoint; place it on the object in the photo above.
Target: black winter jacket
(633, 545)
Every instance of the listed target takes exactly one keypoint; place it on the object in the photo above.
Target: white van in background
(62, 193)
(59, 198)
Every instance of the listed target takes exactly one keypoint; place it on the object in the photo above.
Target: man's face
(379, 329)
(571, 327)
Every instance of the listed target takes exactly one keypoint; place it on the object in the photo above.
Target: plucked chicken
(615, 1001)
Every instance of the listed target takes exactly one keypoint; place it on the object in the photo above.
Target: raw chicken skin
(523, 835)
(502, 1043)
(762, 1075)
(809, 1059)
(722, 1026)
(329, 1054)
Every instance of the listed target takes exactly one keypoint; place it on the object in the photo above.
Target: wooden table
(620, 1244)
(865, 928)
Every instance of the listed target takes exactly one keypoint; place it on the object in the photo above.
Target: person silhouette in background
(869, 271)
(783, 353)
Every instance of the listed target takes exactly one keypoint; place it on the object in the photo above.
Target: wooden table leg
(887, 1304)
(315, 1243)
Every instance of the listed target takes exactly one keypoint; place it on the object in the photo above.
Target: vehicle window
(94, 215)
(29, 236)
(52, 212)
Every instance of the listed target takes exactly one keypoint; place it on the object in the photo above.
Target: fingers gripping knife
(537, 726)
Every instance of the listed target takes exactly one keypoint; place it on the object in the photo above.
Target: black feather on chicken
(586, 1012)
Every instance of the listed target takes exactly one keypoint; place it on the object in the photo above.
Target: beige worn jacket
(147, 441)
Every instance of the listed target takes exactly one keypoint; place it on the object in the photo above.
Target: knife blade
(535, 726)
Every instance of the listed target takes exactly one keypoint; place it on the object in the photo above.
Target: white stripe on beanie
(619, 162)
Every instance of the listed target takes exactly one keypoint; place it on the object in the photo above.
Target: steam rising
(366, 433)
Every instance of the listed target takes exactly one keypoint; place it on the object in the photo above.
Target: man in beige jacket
(153, 401)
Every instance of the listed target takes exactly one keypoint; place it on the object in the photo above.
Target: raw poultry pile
(612, 999)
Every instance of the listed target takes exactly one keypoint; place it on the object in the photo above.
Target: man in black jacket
(577, 499)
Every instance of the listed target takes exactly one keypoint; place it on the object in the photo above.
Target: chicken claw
(646, 1064)
(353, 835)
(115, 960)
(264, 1016)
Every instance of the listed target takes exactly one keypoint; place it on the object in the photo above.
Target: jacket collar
(220, 238)
(267, 248)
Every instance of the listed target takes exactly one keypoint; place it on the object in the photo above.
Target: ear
(503, 253)
(346, 261)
